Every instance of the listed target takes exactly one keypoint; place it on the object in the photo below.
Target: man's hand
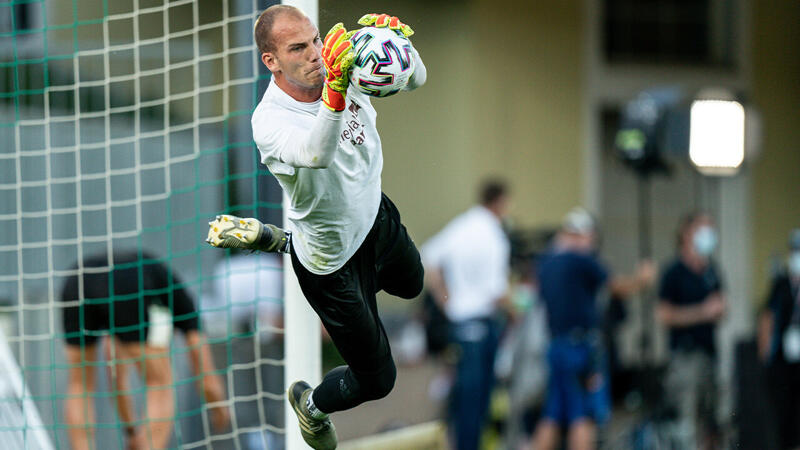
(646, 272)
(220, 418)
(385, 20)
(137, 438)
(337, 55)
(714, 307)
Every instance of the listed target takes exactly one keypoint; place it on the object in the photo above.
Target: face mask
(794, 263)
(705, 241)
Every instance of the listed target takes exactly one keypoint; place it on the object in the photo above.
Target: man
(570, 279)
(691, 304)
(779, 346)
(248, 290)
(467, 265)
(136, 300)
(319, 139)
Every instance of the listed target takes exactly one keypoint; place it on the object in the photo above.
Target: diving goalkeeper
(347, 242)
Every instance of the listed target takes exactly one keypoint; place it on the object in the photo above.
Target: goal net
(125, 125)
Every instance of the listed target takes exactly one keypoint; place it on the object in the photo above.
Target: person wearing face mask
(691, 303)
(779, 346)
(571, 277)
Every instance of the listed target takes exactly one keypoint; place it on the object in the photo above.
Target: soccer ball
(383, 62)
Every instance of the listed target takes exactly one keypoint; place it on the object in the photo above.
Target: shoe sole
(227, 231)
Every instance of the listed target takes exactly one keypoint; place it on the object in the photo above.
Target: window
(690, 32)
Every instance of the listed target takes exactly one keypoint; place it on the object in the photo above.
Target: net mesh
(124, 125)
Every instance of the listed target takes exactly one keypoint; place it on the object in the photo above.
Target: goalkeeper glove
(385, 20)
(337, 55)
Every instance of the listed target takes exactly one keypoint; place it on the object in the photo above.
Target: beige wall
(503, 98)
(776, 93)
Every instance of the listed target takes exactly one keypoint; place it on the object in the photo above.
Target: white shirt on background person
(473, 254)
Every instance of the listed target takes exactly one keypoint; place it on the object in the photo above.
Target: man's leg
(547, 435)
(345, 302)
(582, 435)
(79, 406)
(119, 376)
(397, 261)
(708, 399)
(227, 231)
(154, 363)
(470, 394)
(682, 391)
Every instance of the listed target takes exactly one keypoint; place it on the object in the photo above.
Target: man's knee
(416, 283)
(379, 385)
(408, 287)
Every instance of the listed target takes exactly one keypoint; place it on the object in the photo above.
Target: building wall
(776, 93)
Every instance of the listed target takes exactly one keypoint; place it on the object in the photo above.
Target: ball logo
(383, 63)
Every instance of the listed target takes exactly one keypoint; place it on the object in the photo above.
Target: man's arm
(624, 286)
(709, 311)
(766, 322)
(314, 149)
(436, 285)
(208, 382)
(420, 74)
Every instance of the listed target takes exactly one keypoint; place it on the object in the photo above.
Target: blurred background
(126, 124)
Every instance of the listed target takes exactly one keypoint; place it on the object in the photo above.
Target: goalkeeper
(319, 139)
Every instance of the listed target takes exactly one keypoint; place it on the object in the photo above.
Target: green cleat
(227, 231)
(319, 434)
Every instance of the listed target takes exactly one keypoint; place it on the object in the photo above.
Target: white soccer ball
(384, 61)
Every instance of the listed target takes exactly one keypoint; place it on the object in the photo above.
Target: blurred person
(247, 292)
(247, 297)
(467, 267)
(691, 303)
(318, 136)
(570, 279)
(779, 346)
(138, 301)
(527, 381)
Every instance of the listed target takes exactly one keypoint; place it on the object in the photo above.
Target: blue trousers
(474, 379)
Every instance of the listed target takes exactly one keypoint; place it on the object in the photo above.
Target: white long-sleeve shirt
(329, 164)
(473, 252)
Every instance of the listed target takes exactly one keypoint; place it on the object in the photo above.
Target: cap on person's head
(794, 239)
(579, 221)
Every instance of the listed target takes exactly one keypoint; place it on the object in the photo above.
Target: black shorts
(345, 299)
(117, 300)
(85, 323)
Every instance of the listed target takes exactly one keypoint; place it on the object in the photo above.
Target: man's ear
(271, 61)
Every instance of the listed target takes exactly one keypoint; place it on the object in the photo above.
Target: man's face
(297, 52)
(701, 237)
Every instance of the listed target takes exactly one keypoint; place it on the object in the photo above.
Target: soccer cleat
(227, 231)
(319, 434)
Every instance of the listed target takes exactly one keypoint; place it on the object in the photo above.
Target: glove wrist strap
(332, 99)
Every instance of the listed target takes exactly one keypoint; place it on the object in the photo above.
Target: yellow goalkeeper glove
(385, 20)
(337, 55)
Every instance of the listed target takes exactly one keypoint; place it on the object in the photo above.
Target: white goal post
(302, 337)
